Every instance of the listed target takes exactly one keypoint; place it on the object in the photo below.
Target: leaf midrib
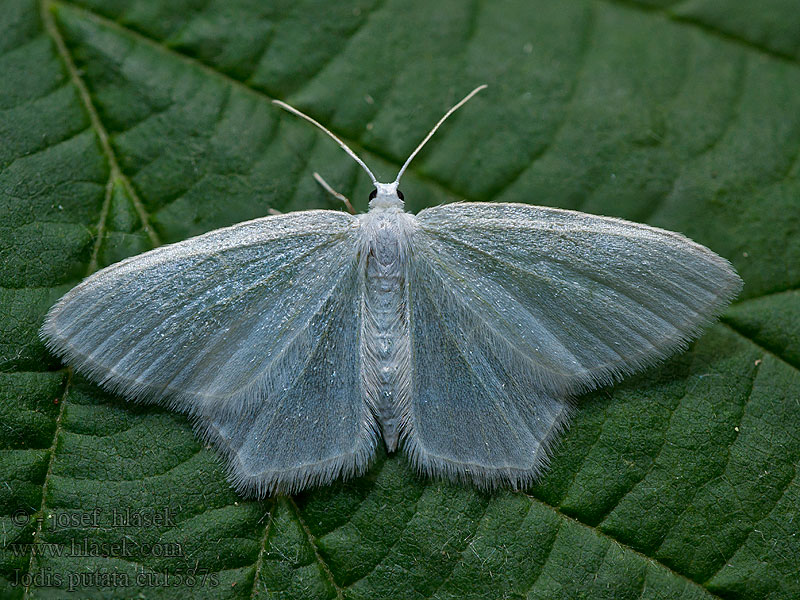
(115, 173)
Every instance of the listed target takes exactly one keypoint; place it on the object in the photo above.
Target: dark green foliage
(128, 124)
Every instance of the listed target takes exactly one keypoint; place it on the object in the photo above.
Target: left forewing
(583, 298)
(514, 308)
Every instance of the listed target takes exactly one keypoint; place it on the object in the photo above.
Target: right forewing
(584, 299)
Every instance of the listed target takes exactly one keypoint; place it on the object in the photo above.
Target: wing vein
(491, 309)
(490, 393)
(195, 300)
(570, 266)
(645, 233)
(210, 346)
(193, 267)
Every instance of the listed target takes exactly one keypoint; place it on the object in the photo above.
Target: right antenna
(435, 127)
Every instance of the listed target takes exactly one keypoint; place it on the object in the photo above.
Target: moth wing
(251, 329)
(514, 308)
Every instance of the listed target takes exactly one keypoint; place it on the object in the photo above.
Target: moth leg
(334, 193)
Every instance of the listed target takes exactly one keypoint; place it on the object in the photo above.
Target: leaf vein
(115, 173)
(262, 550)
(313, 543)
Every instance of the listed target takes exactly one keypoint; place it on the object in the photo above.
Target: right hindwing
(253, 330)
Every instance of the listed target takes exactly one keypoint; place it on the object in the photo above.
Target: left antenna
(344, 146)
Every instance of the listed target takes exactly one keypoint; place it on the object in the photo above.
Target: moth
(460, 335)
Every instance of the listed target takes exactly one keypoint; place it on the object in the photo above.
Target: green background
(124, 125)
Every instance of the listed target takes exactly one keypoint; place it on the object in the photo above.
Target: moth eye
(400, 195)
(372, 194)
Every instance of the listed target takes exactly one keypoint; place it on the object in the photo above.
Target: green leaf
(130, 124)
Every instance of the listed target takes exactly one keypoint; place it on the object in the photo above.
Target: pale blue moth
(460, 334)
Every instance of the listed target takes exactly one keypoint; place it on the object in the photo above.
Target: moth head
(386, 195)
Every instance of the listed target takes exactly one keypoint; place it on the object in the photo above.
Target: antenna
(435, 127)
(355, 157)
(344, 146)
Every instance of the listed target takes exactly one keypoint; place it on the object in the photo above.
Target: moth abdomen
(385, 339)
